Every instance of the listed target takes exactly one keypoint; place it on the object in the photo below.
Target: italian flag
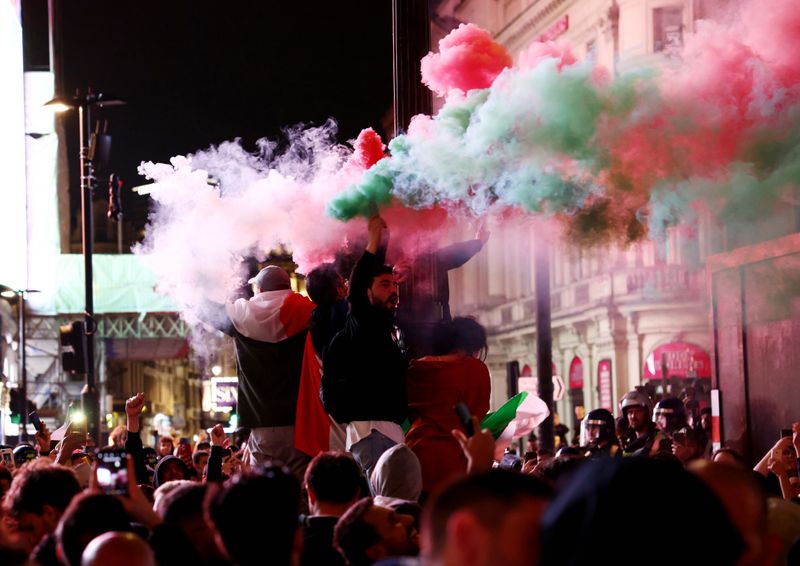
(314, 430)
(517, 417)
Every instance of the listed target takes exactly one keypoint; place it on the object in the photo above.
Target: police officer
(600, 434)
(669, 416)
(637, 408)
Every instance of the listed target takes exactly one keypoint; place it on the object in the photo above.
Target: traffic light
(15, 405)
(74, 358)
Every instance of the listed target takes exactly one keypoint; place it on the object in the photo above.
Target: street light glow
(216, 370)
(58, 106)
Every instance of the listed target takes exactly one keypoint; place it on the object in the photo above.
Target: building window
(668, 29)
(506, 316)
(529, 309)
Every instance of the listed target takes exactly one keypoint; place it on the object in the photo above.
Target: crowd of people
(351, 452)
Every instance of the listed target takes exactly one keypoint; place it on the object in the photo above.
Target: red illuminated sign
(682, 360)
(604, 384)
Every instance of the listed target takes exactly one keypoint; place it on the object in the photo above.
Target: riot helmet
(669, 415)
(635, 399)
(637, 420)
(599, 426)
(24, 453)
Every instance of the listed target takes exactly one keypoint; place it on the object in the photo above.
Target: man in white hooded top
(269, 332)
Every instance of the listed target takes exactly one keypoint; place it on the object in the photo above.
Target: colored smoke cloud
(612, 159)
(199, 233)
(468, 58)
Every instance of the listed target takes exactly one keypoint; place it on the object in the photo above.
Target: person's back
(437, 383)
(88, 516)
(255, 517)
(333, 482)
(606, 497)
(269, 332)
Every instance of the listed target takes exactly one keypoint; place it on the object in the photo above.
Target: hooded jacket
(158, 478)
(269, 332)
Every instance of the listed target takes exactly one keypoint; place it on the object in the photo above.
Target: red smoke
(468, 58)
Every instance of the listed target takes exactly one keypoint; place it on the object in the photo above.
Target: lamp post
(93, 147)
(18, 295)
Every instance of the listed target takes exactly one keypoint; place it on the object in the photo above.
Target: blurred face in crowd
(705, 421)
(384, 292)
(165, 447)
(202, 460)
(684, 448)
(637, 418)
(398, 535)
(171, 471)
(31, 528)
(661, 422)
(184, 452)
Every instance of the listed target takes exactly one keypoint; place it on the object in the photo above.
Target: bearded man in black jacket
(364, 368)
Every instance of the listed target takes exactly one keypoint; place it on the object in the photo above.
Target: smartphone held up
(112, 471)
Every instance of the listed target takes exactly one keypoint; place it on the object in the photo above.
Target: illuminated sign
(224, 393)
(604, 384)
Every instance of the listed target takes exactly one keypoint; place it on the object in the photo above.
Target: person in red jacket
(435, 384)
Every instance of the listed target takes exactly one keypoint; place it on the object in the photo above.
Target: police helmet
(635, 399)
(603, 421)
(24, 453)
(673, 410)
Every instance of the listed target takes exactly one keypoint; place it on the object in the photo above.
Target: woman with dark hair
(455, 373)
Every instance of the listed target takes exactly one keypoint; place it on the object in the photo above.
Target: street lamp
(18, 296)
(97, 150)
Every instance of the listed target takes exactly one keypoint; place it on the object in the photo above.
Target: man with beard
(367, 533)
(363, 380)
(636, 408)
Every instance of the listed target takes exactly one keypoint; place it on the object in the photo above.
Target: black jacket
(364, 367)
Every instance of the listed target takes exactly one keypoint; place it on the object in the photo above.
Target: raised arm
(456, 255)
(133, 443)
(216, 315)
(372, 258)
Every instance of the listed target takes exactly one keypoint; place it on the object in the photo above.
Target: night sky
(196, 73)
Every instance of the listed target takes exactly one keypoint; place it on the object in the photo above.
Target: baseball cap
(271, 278)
